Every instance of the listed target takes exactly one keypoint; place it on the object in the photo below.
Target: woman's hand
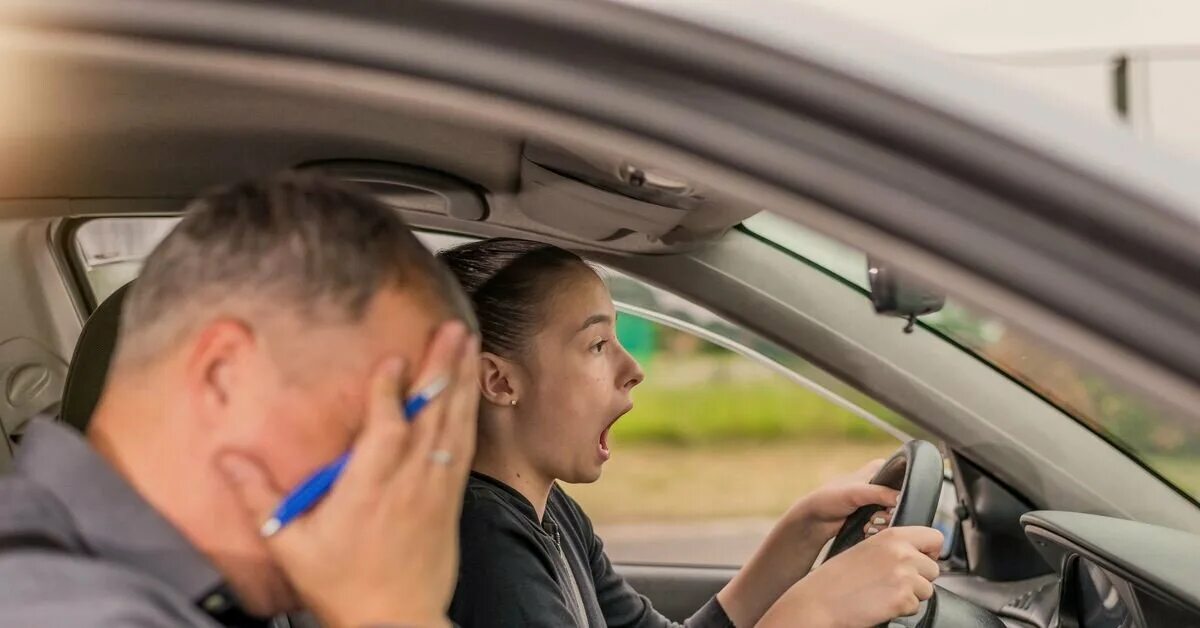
(884, 577)
(790, 549)
(820, 514)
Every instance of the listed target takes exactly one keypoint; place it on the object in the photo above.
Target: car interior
(102, 129)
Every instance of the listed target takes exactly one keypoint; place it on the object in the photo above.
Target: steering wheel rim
(917, 471)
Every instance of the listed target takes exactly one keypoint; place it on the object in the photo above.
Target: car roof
(952, 86)
(984, 27)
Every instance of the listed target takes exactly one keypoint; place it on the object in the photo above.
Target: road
(714, 543)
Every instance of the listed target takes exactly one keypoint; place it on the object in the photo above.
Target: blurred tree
(639, 337)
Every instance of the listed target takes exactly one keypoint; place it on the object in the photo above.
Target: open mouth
(605, 451)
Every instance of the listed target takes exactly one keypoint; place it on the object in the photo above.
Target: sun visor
(589, 212)
(601, 198)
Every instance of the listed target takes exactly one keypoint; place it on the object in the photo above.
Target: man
(277, 327)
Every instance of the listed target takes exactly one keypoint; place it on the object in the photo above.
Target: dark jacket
(517, 572)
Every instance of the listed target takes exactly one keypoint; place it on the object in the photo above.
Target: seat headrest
(89, 365)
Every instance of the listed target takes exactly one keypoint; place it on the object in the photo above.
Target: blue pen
(311, 490)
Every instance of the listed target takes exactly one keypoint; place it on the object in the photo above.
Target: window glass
(727, 431)
(717, 447)
(1168, 445)
(110, 251)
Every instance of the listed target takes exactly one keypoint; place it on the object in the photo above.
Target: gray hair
(317, 247)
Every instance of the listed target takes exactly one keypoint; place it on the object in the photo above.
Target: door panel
(676, 592)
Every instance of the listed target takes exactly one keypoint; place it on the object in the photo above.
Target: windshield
(1166, 445)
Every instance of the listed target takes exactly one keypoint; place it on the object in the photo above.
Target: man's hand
(382, 547)
(884, 577)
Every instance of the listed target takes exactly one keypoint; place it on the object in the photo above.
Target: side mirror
(892, 294)
(948, 518)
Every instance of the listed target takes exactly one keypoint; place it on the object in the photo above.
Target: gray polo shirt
(80, 547)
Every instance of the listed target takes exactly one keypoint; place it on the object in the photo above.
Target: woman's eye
(599, 346)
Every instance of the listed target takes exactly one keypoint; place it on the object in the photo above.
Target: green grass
(756, 411)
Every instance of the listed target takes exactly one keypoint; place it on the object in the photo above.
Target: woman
(553, 381)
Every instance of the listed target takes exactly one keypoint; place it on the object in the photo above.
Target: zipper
(580, 611)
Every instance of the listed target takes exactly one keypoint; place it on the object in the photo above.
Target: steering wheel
(917, 472)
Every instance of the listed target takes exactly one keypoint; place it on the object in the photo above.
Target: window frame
(65, 250)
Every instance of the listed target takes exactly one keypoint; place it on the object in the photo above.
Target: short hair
(510, 283)
(319, 247)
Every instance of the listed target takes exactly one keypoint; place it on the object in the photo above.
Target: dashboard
(1114, 573)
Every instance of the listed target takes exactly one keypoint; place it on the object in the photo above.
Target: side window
(108, 252)
(720, 443)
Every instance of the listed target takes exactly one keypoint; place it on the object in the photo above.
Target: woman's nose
(635, 374)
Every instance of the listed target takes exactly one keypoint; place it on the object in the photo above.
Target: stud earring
(512, 402)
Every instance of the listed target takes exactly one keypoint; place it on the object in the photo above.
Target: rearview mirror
(892, 294)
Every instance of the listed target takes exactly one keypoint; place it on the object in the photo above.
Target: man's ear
(498, 380)
(220, 356)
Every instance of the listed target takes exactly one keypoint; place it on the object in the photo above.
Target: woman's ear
(497, 380)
